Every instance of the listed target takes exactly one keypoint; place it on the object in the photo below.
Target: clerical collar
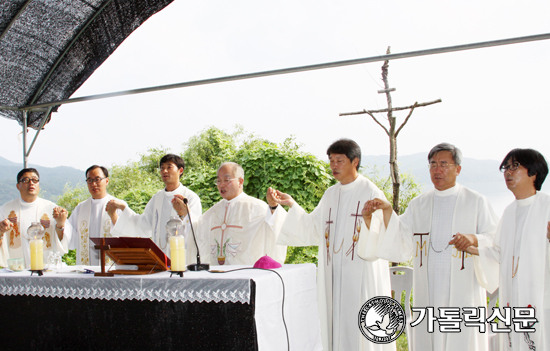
(236, 198)
(448, 192)
(27, 204)
(97, 201)
(526, 202)
(173, 192)
(350, 185)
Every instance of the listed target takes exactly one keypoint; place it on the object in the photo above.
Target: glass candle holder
(174, 229)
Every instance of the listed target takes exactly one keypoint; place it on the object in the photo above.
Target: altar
(238, 310)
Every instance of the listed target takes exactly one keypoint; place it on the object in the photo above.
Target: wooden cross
(356, 214)
(327, 239)
(421, 234)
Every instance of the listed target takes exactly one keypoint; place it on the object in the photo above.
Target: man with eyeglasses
(522, 247)
(17, 216)
(163, 205)
(90, 218)
(239, 229)
(435, 229)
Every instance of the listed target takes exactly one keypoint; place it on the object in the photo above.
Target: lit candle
(177, 253)
(37, 255)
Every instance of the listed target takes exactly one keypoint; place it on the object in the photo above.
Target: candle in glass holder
(177, 253)
(37, 254)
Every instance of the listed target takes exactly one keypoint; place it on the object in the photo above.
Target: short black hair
(26, 170)
(348, 147)
(532, 160)
(103, 169)
(174, 159)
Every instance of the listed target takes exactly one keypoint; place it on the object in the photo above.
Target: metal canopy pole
(446, 49)
(26, 152)
(25, 157)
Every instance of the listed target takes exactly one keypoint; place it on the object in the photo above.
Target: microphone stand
(195, 266)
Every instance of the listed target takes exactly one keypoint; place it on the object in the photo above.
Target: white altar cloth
(300, 303)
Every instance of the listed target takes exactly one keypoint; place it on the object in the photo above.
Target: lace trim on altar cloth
(175, 289)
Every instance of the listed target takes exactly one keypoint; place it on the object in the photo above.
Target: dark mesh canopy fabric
(48, 48)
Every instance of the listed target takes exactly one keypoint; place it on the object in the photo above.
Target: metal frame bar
(299, 69)
(14, 19)
(58, 61)
(26, 153)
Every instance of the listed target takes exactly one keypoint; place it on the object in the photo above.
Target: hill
(52, 180)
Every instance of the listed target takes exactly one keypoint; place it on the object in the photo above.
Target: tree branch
(393, 109)
(380, 124)
(406, 119)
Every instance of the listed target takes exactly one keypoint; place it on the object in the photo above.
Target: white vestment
(22, 214)
(239, 231)
(530, 265)
(346, 277)
(90, 220)
(152, 223)
(411, 235)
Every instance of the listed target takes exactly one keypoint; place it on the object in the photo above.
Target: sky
(494, 99)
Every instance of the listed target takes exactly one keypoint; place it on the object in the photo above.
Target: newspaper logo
(382, 319)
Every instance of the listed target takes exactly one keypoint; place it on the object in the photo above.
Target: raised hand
(280, 197)
(114, 205)
(179, 206)
(463, 241)
(60, 215)
(5, 225)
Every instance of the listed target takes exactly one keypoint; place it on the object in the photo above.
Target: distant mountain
(52, 180)
(482, 176)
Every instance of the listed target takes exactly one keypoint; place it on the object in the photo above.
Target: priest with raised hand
(17, 216)
(435, 229)
(90, 218)
(522, 246)
(239, 229)
(163, 205)
(348, 275)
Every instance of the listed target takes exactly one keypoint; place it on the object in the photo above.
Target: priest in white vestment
(347, 275)
(239, 229)
(18, 215)
(90, 218)
(522, 246)
(158, 211)
(435, 229)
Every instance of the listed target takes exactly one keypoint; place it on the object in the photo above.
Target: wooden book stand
(140, 252)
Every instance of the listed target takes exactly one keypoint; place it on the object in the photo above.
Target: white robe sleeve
(273, 225)
(300, 227)
(395, 243)
(132, 224)
(368, 238)
(4, 253)
(487, 270)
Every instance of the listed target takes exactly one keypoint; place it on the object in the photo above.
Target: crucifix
(327, 234)
(421, 244)
(223, 227)
(356, 231)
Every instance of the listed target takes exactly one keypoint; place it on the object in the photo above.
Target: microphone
(195, 266)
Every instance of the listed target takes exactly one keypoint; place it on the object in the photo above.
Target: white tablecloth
(300, 301)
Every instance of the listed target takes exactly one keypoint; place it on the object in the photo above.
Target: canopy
(49, 48)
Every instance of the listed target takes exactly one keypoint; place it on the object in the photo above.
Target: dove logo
(382, 319)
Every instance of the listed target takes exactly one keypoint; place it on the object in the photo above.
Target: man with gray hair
(435, 229)
(239, 229)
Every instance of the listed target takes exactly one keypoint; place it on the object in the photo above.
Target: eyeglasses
(511, 167)
(442, 165)
(94, 180)
(224, 181)
(28, 180)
